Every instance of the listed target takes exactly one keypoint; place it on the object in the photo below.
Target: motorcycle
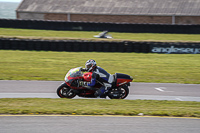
(70, 88)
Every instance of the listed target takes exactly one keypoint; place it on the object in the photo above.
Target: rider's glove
(83, 69)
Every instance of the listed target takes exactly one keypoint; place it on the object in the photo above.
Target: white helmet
(90, 65)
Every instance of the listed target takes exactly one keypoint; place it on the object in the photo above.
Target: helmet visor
(88, 66)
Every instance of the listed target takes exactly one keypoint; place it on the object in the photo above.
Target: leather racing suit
(99, 75)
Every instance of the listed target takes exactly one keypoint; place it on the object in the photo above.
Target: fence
(99, 46)
(89, 26)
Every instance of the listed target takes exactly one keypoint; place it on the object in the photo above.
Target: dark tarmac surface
(149, 91)
(97, 124)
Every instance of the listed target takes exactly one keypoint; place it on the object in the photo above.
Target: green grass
(50, 34)
(158, 68)
(99, 107)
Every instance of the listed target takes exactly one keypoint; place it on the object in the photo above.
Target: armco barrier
(99, 46)
(89, 26)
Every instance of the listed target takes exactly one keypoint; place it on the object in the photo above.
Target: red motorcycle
(70, 88)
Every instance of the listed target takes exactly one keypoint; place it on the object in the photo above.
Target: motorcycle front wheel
(119, 93)
(64, 91)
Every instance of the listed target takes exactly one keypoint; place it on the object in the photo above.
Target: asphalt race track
(97, 124)
(149, 91)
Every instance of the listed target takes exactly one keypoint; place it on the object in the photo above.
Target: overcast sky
(10, 0)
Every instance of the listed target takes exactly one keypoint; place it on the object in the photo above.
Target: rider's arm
(83, 69)
(93, 80)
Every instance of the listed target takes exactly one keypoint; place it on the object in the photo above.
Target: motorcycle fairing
(122, 79)
(87, 76)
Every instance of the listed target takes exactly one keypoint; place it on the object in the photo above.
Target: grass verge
(33, 106)
(85, 35)
(157, 68)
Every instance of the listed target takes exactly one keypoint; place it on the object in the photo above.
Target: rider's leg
(100, 92)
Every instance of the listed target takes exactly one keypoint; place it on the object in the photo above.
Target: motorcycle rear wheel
(124, 92)
(64, 91)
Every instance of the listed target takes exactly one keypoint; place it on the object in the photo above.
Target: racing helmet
(90, 65)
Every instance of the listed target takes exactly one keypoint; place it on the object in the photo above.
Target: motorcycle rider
(98, 75)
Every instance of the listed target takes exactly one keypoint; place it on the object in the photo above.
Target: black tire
(63, 91)
(124, 94)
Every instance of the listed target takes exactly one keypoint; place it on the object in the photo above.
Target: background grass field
(85, 35)
(43, 65)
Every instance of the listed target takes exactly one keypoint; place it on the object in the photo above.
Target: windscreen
(73, 73)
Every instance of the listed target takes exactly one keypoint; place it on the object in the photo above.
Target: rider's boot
(101, 92)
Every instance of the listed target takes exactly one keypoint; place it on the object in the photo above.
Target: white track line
(159, 89)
